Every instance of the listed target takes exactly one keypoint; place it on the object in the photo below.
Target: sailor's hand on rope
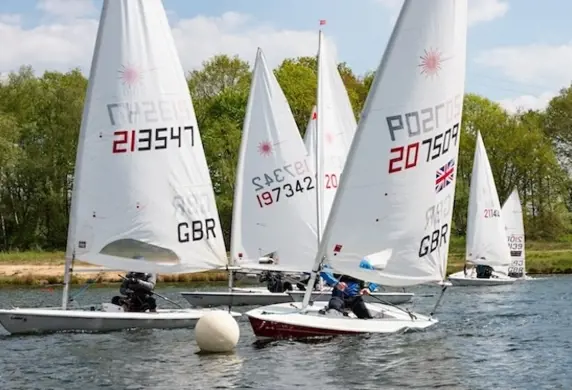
(364, 291)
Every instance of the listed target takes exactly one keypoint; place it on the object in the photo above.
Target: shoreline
(46, 275)
(47, 268)
(53, 274)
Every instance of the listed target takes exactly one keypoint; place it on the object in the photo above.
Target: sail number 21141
(492, 213)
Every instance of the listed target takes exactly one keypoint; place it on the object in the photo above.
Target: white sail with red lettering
(142, 194)
(335, 128)
(274, 193)
(394, 203)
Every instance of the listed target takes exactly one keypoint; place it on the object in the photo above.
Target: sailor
(137, 290)
(304, 282)
(348, 292)
(274, 282)
(484, 271)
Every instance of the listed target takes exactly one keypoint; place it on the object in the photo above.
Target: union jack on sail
(444, 175)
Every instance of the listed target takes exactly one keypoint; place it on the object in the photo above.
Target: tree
(40, 119)
(558, 125)
(298, 80)
(521, 157)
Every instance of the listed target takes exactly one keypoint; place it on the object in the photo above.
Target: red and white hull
(286, 321)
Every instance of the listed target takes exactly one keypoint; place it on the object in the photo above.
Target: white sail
(395, 200)
(274, 194)
(310, 136)
(486, 237)
(512, 216)
(141, 185)
(335, 129)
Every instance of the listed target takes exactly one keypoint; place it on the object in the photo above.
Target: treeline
(40, 119)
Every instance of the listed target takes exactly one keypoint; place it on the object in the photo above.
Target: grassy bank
(46, 268)
(541, 257)
(39, 279)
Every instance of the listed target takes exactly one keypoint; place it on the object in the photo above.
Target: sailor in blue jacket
(347, 291)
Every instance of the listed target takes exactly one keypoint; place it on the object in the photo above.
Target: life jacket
(349, 279)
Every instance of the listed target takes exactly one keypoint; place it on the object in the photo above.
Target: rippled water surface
(505, 337)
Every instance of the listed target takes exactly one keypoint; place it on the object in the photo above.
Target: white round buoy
(217, 331)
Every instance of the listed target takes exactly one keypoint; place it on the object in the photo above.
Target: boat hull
(395, 298)
(459, 279)
(26, 321)
(261, 296)
(235, 298)
(286, 321)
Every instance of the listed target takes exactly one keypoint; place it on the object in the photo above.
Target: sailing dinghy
(273, 195)
(394, 202)
(141, 185)
(334, 125)
(258, 231)
(486, 236)
(512, 216)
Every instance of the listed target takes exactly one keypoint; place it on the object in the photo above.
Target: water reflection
(517, 337)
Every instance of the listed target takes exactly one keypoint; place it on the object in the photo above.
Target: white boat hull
(498, 279)
(47, 320)
(258, 296)
(234, 298)
(395, 298)
(285, 321)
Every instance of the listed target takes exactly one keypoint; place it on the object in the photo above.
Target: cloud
(66, 37)
(533, 67)
(527, 102)
(486, 10)
(10, 18)
(531, 64)
(235, 33)
(67, 8)
(479, 10)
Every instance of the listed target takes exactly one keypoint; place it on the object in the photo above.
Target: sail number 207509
(423, 122)
(406, 157)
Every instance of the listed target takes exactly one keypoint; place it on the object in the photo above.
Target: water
(505, 337)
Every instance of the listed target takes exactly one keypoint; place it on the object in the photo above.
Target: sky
(519, 51)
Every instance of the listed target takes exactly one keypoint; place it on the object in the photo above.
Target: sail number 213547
(150, 139)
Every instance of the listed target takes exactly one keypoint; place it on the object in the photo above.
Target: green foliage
(40, 119)
(299, 81)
